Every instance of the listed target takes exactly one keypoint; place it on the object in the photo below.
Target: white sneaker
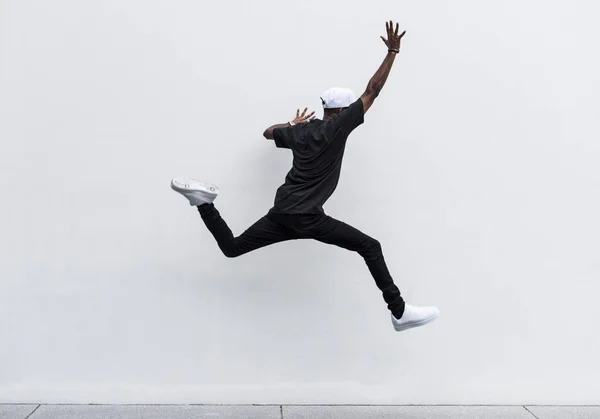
(415, 317)
(197, 193)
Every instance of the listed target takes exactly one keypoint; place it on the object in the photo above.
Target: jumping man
(318, 148)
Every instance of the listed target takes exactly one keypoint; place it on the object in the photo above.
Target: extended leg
(331, 231)
(262, 233)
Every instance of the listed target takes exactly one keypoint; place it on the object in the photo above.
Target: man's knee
(231, 251)
(371, 249)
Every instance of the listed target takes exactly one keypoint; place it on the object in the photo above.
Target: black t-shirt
(318, 148)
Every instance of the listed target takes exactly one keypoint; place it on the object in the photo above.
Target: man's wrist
(393, 50)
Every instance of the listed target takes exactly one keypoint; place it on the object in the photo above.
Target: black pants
(275, 228)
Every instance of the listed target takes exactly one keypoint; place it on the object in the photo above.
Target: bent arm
(268, 134)
(300, 119)
(378, 80)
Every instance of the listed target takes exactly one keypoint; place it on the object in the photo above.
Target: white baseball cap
(338, 97)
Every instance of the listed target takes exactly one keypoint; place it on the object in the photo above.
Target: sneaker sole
(417, 324)
(202, 187)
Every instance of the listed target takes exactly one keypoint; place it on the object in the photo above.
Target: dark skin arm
(378, 80)
(300, 119)
(373, 88)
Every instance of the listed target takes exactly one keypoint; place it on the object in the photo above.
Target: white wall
(477, 169)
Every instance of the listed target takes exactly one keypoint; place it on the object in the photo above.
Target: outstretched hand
(303, 118)
(393, 39)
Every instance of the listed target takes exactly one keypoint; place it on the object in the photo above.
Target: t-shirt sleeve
(283, 137)
(346, 121)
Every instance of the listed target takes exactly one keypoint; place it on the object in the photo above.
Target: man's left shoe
(197, 193)
(415, 317)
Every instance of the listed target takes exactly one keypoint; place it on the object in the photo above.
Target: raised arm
(300, 119)
(378, 80)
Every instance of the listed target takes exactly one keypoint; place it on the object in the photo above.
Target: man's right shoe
(197, 193)
(415, 317)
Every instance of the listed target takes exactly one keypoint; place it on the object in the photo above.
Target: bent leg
(262, 233)
(338, 233)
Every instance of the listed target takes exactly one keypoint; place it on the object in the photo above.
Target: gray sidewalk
(51, 411)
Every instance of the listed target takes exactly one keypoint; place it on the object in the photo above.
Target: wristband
(291, 123)
(394, 50)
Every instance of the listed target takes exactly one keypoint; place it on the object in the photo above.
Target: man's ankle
(205, 208)
(398, 311)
